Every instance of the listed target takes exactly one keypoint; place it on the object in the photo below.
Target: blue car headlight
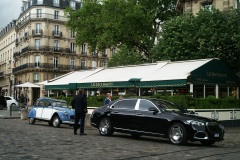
(65, 113)
(196, 123)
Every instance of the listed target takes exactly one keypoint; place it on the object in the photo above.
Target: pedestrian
(108, 98)
(79, 103)
(22, 101)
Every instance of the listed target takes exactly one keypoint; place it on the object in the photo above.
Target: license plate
(216, 135)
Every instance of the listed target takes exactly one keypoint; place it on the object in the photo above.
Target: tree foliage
(112, 23)
(210, 34)
(125, 57)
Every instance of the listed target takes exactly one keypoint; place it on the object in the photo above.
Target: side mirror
(153, 109)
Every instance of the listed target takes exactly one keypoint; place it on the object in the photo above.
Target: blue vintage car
(53, 111)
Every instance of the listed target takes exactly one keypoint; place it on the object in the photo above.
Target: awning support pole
(217, 91)
(228, 93)
(204, 91)
(139, 92)
(237, 92)
(191, 89)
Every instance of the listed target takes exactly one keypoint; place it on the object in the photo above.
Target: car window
(60, 104)
(127, 104)
(8, 98)
(144, 105)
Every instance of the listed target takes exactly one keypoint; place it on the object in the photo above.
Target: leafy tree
(210, 34)
(124, 57)
(112, 23)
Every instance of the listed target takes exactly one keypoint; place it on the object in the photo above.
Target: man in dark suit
(79, 103)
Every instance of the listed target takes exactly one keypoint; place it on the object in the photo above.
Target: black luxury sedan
(155, 117)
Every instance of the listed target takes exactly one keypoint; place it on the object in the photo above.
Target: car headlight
(196, 123)
(65, 113)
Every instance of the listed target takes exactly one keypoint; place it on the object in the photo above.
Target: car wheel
(105, 127)
(32, 120)
(177, 134)
(56, 121)
(136, 135)
(207, 143)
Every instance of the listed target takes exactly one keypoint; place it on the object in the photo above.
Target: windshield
(168, 106)
(59, 104)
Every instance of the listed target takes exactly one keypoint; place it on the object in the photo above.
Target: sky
(9, 10)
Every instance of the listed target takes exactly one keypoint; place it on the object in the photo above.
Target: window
(54, 75)
(144, 105)
(38, 28)
(83, 64)
(84, 50)
(56, 45)
(56, 30)
(113, 50)
(36, 77)
(56, 14)
(207, 6)
(94, 64)
(37, 44)
(72, 47)
(56, 3)
(95, 53)
(37, 61)
(237, 4)
(72, 63)
(73, 5)
(39, 13)
(55, 62)
(104, 64)
(39, 1)
(104, 53)
(125, 104)
(72, 34)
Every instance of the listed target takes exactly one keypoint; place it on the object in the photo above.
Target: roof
(162, 73)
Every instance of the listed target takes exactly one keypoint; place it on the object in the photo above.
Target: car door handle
(139, 114)
(115, 112)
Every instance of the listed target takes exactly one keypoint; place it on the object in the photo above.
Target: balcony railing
(48, 66)
(36, 33)
(39, 17)
(83, 53)
(16, 54)
(56, 34)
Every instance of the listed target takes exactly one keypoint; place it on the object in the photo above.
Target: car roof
(51, 99)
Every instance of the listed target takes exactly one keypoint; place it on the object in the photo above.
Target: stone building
(7, 47)
(43, 48)
(195, 6)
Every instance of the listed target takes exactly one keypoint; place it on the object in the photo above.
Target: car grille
(213, 127)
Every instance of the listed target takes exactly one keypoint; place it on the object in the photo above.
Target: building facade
(195, 6)
(7, 47)
(44, 48)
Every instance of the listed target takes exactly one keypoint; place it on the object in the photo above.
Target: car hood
(190, 116)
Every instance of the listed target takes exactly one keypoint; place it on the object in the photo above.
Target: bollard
(10, 110)
(23, 114)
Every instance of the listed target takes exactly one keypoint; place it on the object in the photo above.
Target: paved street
(20, 140)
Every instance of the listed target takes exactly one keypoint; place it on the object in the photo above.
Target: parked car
(53, 111)
(11, 102)
(155, 117)
(3, 103)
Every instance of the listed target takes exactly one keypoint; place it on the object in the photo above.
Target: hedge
(188, 101)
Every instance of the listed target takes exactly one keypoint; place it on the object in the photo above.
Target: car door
(122, 113)
(47, 110)
(148, 121)
(39, 108)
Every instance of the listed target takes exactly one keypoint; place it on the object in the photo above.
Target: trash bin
(23, 113)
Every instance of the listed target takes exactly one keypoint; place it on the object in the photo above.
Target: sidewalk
(6, 114)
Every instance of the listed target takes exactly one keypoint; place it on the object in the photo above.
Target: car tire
(177, 134)
(105, 127)
(136, 135)
(32, 120)
(56, 121)
(207, 143)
